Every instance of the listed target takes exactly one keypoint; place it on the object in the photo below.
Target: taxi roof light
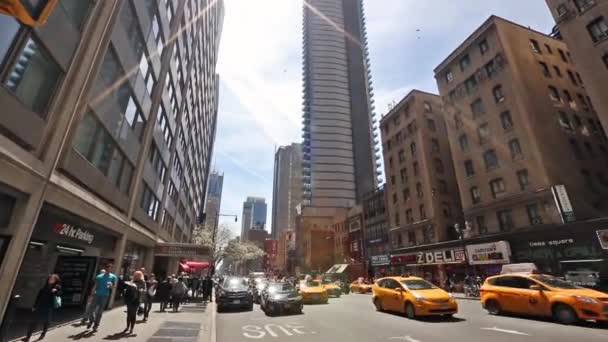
(16, 9)
(527, 267)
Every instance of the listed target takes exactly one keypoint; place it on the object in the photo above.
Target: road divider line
(506, 331)
(404, 338)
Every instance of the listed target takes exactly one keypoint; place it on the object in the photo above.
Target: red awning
(197, 264)
(184, 267)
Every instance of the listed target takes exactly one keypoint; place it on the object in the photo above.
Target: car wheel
(410, 311)
(378, 305)
(449, 316)
(493, 307)
(338, 295)
(564, 314)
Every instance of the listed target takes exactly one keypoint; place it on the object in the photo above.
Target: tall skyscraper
(338, 147)
(108, 122)
(214, 198)
(254, 216)
(287, 188)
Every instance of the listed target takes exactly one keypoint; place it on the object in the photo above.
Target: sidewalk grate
(173, 331)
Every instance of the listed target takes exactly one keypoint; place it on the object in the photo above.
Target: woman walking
(178, 292)
(164, 288)
(135, 290)
(47, 300)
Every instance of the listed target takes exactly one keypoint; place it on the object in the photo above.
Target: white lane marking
(276, 330)
(404, 338)
(514, 332)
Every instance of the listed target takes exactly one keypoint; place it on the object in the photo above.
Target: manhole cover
(172, 331)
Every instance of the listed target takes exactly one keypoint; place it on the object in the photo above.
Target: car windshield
(555, 282)
(280, 288)
(311, 283)
(418, 284)
(235, 284)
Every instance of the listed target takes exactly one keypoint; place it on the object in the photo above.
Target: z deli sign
(446, 256)
(73, 232)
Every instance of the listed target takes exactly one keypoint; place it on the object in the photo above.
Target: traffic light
(16, 9)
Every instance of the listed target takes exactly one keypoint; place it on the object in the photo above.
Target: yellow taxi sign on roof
(526, 267)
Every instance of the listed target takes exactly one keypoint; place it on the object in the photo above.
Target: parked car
(234, 293)
(280, 297)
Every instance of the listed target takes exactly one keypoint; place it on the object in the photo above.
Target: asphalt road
(352, 318)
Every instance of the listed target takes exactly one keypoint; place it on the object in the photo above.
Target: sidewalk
(195, 322)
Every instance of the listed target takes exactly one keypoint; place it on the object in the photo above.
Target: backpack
(131, 293)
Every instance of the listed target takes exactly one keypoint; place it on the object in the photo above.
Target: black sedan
(234, 293)
(279, 298)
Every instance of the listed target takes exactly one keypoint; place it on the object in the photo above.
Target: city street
(353, 318)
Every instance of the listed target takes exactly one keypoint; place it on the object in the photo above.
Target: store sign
(380, 260)
(181, 250)
(562, 201)
(489, 253)
(602, 235)
(557, 242)
(446, 256)
(73, 232)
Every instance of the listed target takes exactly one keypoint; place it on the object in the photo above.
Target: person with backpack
(178, 292)
(135, 290)
(47, 300)
(151, 285)
(163, 293)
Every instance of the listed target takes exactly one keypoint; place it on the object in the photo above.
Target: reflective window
(76, 10)
(8, 30)
(33, 77)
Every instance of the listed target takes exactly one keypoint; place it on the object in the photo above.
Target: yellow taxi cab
(332, 288)
(543, 295)
(312, 291)
(361, 286)
(413, 296)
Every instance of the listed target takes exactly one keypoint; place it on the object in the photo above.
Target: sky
(260, 67)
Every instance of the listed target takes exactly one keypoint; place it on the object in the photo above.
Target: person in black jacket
(164, 288)
(135, 290)
(44, 306)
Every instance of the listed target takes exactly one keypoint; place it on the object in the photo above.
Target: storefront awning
(197, 264)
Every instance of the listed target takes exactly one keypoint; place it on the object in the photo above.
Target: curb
(212, 327)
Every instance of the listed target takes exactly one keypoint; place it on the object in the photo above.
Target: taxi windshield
(311, 283)
(280, 288)
(556, 282)
(418, 284)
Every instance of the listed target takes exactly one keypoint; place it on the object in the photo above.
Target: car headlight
(586, 299)
(419, 298)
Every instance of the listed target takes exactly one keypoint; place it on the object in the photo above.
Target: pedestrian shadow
(120, 336)
(82, 335)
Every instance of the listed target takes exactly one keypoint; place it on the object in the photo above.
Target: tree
(203, 235)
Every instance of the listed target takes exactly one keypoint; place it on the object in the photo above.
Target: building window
(522, 178)
(435, 145)
(506, 121)
(96, 145)
(564, 121)
(562, 55)
(505, 220)
(76, 10)
(499, 96)
(515, 149)
(598, 29)
(576, 149)
(475, 195)
(401, 156)
(409, 216)
(490, 159)
(583, 102)
(491, 69)
(406, 195)
(498, 187)
(533, 214)
(583, 5)
(411, 236)
(392, 180)
(449, 76)
(422, 212)
(471, 84)
(468, 168)
(416, 169)
(477, 108)
(548, 48)
(431, 125)
(9, 28)
(569, 98)
(394, 196)
(428, 107)
(158, 35)
(149, 203)
(481, 224)
(157, 163)
(483, 132)
(579, 78)
(554, 94)
(572, 78)
(135, 118)
(419, 191)
(403, 174)
(399, 136)
(438, 165)
(588, 179)
(557, 70)
(397, 220)
(172, 192)
(457, 121)
(535, 46)
(484, 47)
(163, 124)
(545, 69)
(413, 149)
(577, 121)
(465, 61)
(464, 143)
(33, 77)
(443, 187)
(390, 162)
(132, 30)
